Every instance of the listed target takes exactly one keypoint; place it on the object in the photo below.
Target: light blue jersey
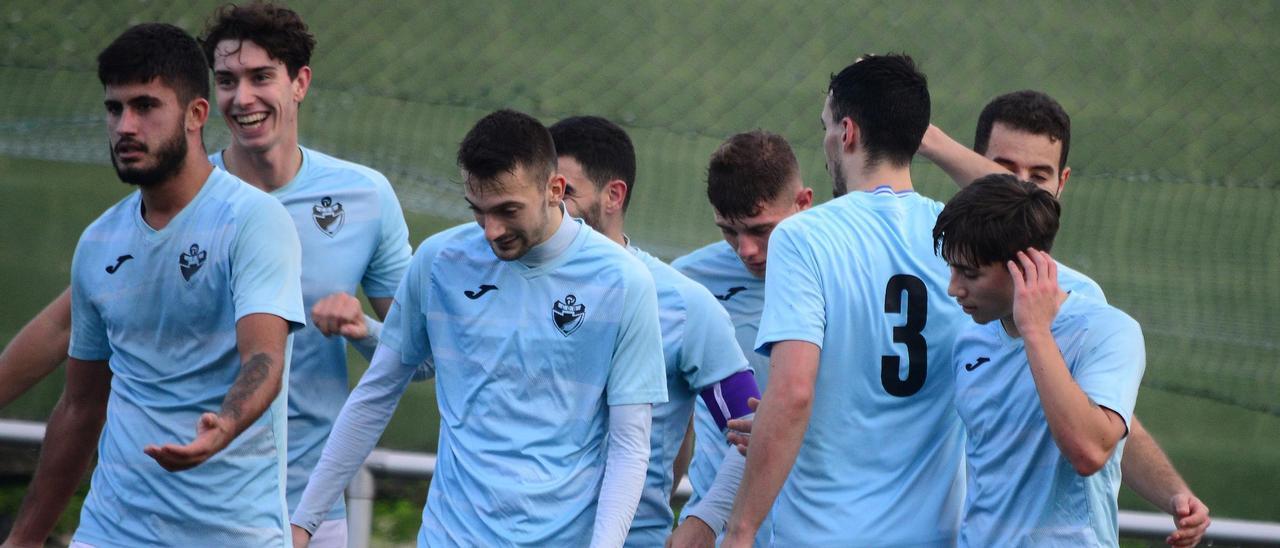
(1072, 281)
(881, 462)
(527, 362)
(717, 267)
(160, 307)
(700, 350)
(353, 234)
(1022, 490)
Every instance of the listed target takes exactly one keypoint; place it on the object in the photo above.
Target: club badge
(329, 216)
(191, 261)
(568, 314)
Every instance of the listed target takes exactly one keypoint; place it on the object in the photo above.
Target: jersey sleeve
(266, 264)
(637, 373)
(391, 257)
(1111, 369)
(710, 351)
(794, 306)
(405, 329)
(88, 331)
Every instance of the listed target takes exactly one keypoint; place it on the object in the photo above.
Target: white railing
(385, 463)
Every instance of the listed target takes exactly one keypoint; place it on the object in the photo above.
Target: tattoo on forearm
(252, 374)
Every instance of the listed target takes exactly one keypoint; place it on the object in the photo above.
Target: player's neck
(557, 241)
(267, 170)
(896, 178)
(163, 201)
(613, 229)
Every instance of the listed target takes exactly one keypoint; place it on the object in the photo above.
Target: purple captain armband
(727, 399)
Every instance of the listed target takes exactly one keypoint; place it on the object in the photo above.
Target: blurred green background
(1172, 206)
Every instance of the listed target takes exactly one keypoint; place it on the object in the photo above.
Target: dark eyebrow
(508, 203)
(1002, 159)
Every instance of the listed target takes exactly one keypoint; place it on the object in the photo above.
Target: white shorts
(330, 534)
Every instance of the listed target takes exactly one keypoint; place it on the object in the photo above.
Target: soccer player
(544, 339)
(1045, 384)
(180, 325)
(702, 358)
(856, 438)
(753, 183)
(346, 215)
(1028, 133)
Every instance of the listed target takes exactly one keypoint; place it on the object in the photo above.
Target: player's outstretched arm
(1147, 470)
(261, 339)
(960, 163)
(70, 440)
(37, 350)
(1085, 432)
(777, 433)
(355, 432)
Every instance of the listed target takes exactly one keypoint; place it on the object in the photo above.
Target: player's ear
(804, 198)
(555, 189)
(615, 194)
(197, 114)
(1062, 180)
(851, 139)
(301, 84)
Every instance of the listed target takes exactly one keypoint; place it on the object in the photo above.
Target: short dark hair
(604, 150)
(888, 97)
(1027, 110)
(993, 219)
(156, 50)
(748, 170)
(504, 140)
(276, 29)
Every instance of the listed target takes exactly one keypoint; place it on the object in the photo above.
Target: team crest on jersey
(191, 261)
(568, 314)
(329, 216)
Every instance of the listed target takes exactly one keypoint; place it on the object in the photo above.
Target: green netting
(1176, 153)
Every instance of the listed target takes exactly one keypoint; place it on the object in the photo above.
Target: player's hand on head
(1035, 290)
(1191, 517)
(340, 314)
(213, 433)
(740, 429)
(693, 533)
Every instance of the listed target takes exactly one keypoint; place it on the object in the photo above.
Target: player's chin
(508, 251)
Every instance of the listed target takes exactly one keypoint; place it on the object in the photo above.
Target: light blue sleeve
(393, 253)
(638, 373)
(1111, 369)
(355, 433)
(88, 332)
(711, 352)
(405, 328)
(266, 264)
(794, 306)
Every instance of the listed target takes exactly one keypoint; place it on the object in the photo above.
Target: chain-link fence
(1172, 206)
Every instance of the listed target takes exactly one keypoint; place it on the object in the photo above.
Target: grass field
(1229, 454)
(1171, 207)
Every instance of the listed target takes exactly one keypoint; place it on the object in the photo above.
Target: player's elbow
(1088, 459)
(796, 398)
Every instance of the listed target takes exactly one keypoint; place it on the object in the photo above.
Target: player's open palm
(1036, 296)
(213, 433)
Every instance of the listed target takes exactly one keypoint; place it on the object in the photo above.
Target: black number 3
(910, 334)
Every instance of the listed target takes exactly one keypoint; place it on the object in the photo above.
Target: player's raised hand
(1191, 517)
(692, 533)
(213, 434)
(340, 314)
(740, 428)
(1036, 296)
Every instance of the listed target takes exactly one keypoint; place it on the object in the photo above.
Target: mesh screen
(1176, 171)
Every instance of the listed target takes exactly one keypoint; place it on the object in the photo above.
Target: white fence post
(360, 493)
